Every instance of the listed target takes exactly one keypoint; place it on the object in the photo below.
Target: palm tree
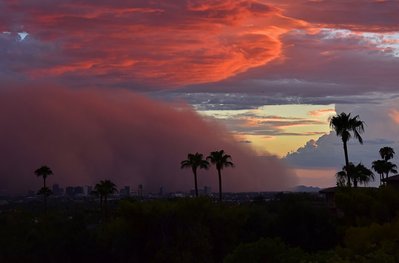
(341, 178)
(390, 168)
(379, 167)
(195, 161)
(221, 160)
(104, 188)
(357, 173)
(387, 153)
(384, 166)
(362, 174)
(344, 125)
(44, 172)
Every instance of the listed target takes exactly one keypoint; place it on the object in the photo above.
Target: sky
(123, 90)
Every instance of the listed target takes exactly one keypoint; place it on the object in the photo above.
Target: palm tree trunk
(220, 185)
(45, 195)
(195, 182)
(347, 162)
(45, 203)
(105, 206)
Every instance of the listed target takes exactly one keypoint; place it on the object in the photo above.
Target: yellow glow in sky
(276, 129)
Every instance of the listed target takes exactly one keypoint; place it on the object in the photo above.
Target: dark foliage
(289, 228)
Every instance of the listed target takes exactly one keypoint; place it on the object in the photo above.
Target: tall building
(125, 191)
(57, 190)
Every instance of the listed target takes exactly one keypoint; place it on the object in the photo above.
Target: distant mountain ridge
(306, 189)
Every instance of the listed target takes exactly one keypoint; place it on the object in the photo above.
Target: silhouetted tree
(389, 168)
(379, 167)
(387, 153)
(45, 191)
(195, 161)
(342, 178)
(105, 188)
(344, 125)
(384, 166)
(220, 160)
(44, 171)
(362, 174)
(357, 173)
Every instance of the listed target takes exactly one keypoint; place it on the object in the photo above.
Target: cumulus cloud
(92, 134)
(381, 130)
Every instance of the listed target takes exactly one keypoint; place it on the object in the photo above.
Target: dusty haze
(92, 134)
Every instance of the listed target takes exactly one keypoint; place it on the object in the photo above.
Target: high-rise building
(125, 191)
(57, 190)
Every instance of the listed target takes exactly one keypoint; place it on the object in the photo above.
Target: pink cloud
(322, 112)
(155, 42)
(362, 16)
(394, 114)
(92, 134)
(318, 65)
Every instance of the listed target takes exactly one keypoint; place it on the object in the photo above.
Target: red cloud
(177, 43)
(93, 134)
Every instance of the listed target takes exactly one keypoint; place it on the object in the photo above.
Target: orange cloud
(394, 114)
(180, 43)
(318, 113)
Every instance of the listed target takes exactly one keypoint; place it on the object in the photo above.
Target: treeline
(290, 228)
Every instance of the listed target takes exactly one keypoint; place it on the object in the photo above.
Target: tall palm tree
(44, 172)
(220, 160)
(387, 153)
(104, 188)
(195, 161)
(344, 125)
(379, 167)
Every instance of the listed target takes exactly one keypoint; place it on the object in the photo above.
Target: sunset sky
(125, 89)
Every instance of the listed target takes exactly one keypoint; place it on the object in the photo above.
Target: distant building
(125, 191)
(140, 191)
(69, 191)
(205, 191)
(74, 191)
(57, 190)
(78, 190)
